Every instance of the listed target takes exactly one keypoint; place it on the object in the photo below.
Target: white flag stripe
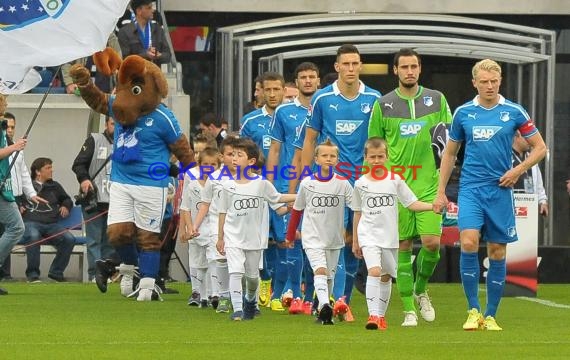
(80, 29)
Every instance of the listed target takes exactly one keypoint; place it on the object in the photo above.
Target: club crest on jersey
(505, 116)
(410, 129)
(347, 127)
(485, 133)
(428, 101)
(365, 108)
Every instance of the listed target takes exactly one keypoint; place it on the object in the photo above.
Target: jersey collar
(336, 90)
(501, 100)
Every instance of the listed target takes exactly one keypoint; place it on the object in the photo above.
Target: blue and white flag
(50, 33)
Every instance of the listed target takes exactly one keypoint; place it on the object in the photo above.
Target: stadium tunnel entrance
(449, 46)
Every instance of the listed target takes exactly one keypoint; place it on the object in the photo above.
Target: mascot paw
(107, 61)
(80, 74)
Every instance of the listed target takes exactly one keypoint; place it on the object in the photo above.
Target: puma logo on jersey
(389, 105)
(472, 116)
(335, 106)
(293, 116)
(261, 125)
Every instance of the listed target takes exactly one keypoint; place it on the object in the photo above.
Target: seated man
(41, 220)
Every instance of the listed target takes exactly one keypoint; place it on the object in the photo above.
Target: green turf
(75, 321)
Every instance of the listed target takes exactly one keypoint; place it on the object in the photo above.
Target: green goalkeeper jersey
(410, 126)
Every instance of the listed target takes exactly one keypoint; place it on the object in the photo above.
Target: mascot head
(141, 85)
(3, 104)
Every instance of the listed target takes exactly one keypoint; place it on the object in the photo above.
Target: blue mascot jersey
(140, 149)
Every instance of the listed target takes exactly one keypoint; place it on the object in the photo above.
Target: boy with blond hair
(375, 228)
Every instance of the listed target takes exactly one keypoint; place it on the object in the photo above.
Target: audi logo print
(246, 203)
(380, 201)
(325, 201)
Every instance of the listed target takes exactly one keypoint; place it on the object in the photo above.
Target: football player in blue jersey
(285, 126)
(341, 112)
(486, 126)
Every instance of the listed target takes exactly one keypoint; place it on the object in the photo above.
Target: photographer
(92, 166)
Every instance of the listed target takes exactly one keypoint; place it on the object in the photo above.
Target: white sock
(213, 275)
(223, 278)
(208, 282)
(373, 294)
(201, 274)
(196, 280)
(236, 291)
(322, 289)
(385, 293)
(251, 286)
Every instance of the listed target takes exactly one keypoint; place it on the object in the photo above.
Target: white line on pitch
(544, 302)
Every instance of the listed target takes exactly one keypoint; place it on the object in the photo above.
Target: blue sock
(469, 269)
(268, 263)
(149, 262)
(280, 275)
(295, 268)
(495, 285)
(128, 254)
(309, 280)
(340, 277)
(350, 268)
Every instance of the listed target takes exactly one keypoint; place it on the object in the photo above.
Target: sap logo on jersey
(266, 141)
(347, 127)
(411, 128)
(484, 133)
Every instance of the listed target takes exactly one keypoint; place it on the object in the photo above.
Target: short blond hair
(327, 142)
(486, 65)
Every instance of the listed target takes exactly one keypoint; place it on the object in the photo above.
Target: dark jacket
(53, 192)
(131, 43)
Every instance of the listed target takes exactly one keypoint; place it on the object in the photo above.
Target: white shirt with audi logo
(378, 202)
(324, 204)
(246, 226)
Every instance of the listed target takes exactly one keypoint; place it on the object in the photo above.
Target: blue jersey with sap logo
(344, 121)
(255, 126)
(488, 136)
(138, 148)
(286, 125)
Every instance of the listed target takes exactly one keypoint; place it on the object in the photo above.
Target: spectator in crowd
(143, 36)
(210, 125)
(41, 222)
(92, 167)
(21, 184)
(10, 217)
(258, 99)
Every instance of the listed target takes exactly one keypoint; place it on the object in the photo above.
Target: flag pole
(29, 129)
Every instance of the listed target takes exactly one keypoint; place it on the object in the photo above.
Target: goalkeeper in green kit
(412, 119)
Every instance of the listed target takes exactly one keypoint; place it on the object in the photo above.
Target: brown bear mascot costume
(146, 133)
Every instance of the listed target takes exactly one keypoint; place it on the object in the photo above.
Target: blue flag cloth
(50, 33)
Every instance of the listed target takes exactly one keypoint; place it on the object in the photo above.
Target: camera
(87, 201)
